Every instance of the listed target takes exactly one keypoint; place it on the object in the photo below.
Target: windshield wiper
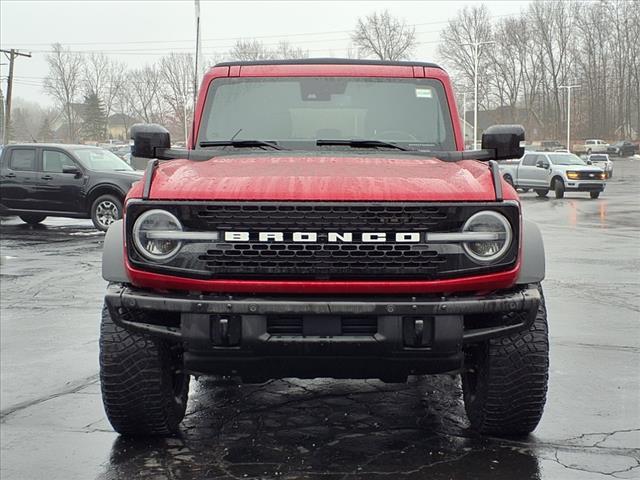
(241, 144)
(355, 143)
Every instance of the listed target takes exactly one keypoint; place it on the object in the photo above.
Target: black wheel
(144, 386)
(105, 210)
(589, 151)
(32, 219)
(505, 379)
(558, 187)
(509, 180)
(594, 195)
(542, 192)
(524, 190)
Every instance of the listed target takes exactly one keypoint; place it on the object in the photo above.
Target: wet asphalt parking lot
(52, 424)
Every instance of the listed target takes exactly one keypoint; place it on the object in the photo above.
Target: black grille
(351, 217)
(294, 325)
(322, 260)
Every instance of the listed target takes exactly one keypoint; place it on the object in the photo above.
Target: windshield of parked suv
(411, 112)
(568, 159)
(101, 160)
(598, 158)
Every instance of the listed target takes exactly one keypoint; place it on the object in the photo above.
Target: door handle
(47, 177)
(10, 175)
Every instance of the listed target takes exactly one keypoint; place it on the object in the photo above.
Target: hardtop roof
(328, 61)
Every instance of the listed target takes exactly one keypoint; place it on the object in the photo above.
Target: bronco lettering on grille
(324, 237)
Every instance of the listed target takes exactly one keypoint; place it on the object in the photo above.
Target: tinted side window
(53, 161)
(23, 160)
(529, 160)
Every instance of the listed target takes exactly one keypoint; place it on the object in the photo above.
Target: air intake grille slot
(298, 325)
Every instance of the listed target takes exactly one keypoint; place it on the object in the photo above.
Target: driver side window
(54, 161)
(530, 160)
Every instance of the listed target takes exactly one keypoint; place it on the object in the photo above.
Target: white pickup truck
(544, 171)
(591, 146)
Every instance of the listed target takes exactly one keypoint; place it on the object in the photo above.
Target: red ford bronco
(324, 221)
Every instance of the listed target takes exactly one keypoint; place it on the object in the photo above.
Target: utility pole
(196, 74)
(464, 120)
(569, 87)
(11, 55)
(476, 55)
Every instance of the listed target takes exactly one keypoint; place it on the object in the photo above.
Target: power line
(251, 37)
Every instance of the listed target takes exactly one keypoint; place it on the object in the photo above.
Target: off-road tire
(594, 195)
(542, 192)
(504, 381)
(144, 388)
(558, 187)
(32, 219)
(100, 221)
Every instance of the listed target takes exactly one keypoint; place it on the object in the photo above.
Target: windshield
(410, 111)
(598, 158)
(568, 159)
(100, 160)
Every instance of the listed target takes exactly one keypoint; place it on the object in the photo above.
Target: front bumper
(585, 185)
(343, 337)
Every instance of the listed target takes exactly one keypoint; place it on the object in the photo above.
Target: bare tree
(143, 93)
(103, 77)
(176, 71)
(553, 23)
(469, 26)
(284, 50)
(63, 83)
(384, 36)
(248, 50)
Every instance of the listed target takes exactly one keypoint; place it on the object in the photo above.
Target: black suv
(41, 180)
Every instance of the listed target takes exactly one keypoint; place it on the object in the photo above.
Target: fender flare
(113, 267)
(532, 265)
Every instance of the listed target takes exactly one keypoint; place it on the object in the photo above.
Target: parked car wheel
(588, 151)
(105, 210)
(542, 193)
(144, 386)
(558, 187)
(594, 195)
(504, 381)
(32, 219)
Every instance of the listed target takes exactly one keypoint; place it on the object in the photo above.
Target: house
(118, 126)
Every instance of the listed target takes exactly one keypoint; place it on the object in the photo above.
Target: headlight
(603, 175)
(486, 251)
(156, 223)
(573, 175)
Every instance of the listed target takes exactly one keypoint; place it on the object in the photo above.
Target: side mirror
(505, 140)
(71, 169)
(542, 164)
(589, 162)
(147, 137)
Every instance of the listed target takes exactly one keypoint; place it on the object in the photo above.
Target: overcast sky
(139, 32)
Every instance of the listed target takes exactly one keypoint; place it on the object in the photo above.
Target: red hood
(321, 178)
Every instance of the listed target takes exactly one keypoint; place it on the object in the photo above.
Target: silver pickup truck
(561, 172)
